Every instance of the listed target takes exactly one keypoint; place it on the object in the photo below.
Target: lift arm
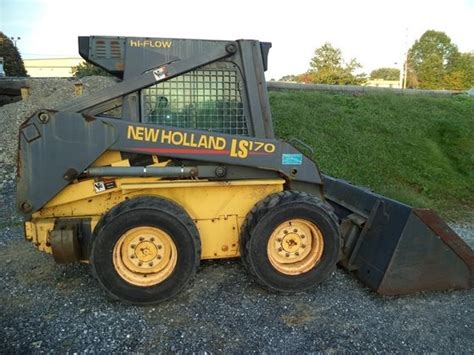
(57, 147)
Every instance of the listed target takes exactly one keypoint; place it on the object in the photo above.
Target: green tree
(88, 69)
(385, 74)
(13, 63)
(328, 67)
(430, 57)
(460, 72)
(289, 77)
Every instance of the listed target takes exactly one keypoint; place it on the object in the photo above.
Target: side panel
(218, 208)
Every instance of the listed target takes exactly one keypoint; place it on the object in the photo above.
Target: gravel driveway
(46, 307)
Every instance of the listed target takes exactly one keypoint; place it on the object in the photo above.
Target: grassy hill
(413, 148)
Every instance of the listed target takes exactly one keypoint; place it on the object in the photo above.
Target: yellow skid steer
(178, 162)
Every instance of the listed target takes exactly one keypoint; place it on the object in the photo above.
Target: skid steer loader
(178, 162)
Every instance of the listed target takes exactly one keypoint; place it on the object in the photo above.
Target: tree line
(432, 62)
(435, 62)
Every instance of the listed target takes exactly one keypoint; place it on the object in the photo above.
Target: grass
(413, 148)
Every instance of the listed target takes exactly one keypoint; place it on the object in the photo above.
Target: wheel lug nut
(140, 264)
(279, 240)
(295, 230)
(142, 239)
(152, 239)
(133, 246)
(280, 249)
(285, 231)
(150, 264)
(297, 253)
(133, 257)
(158, 257)
(303, 246)
(302, 236)
(159, 247)
(287, 255)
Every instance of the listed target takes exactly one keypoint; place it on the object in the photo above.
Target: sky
(375, 32)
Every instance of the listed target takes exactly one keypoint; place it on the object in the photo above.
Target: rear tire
(290, 241)
(145, 250)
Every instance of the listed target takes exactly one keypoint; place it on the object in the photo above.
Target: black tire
(149, 212)
(262, 220)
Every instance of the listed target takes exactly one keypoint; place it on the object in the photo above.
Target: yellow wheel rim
(295, 247)
(145, 256)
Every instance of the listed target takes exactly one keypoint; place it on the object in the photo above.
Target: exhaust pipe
(394, 248)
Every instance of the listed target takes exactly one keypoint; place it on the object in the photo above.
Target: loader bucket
(394, 248)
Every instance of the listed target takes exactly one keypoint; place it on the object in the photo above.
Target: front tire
(290, 241)
(145, 250)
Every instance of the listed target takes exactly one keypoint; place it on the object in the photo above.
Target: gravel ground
(45, 307)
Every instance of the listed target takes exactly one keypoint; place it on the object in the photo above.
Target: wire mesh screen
(208, 99)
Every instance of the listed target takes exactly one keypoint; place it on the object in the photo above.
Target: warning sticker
(101, 186)
(159, 74)
(292, 159)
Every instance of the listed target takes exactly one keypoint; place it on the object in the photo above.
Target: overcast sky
(373, 31)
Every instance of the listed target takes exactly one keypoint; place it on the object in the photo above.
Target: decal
(103, 185)
(150, 43)
(99, 186)
(110, 184)
(198, 143)
(241, 148)
(159, 74)
(292, 159)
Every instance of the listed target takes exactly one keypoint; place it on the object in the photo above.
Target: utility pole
(14, 40)
(405, 62)
(405, 74)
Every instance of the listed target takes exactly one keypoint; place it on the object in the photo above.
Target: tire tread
(146, 202)
(259, 210)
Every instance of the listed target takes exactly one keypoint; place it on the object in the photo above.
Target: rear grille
(115, 49)
(107, 49)
(100, 49)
